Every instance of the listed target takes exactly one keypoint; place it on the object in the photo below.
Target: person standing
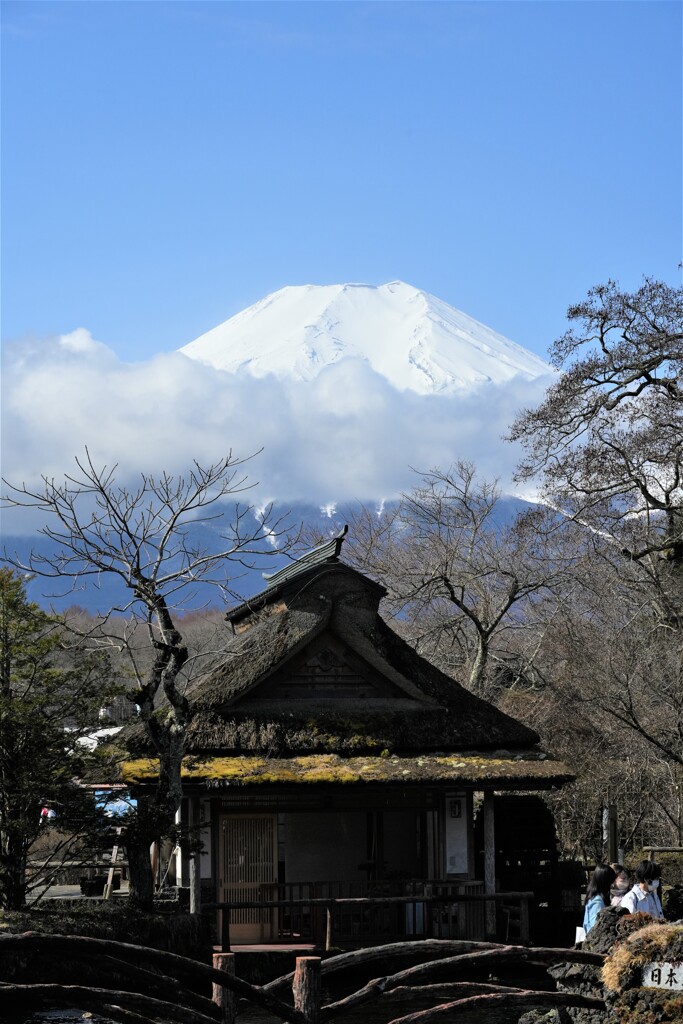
(643, 898)
(597, 894)
(622, 883)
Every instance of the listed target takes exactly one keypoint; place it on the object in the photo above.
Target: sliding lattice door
(248, 871)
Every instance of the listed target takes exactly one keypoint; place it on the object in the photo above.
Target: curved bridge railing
(148, 985)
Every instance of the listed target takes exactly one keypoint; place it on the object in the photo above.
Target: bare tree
(607, 441)
(146, 537)
(607, 699)
(607, 446)
(461, 572)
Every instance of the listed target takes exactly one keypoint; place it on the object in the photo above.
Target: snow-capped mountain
(342, 393)
(414, 340)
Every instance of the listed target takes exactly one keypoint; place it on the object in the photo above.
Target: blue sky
(167, 164)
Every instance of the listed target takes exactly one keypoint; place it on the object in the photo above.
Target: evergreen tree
(49, 698)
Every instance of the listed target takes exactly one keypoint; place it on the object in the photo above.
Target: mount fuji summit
(414, 340)
(345, 392)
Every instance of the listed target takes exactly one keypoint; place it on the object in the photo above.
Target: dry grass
(623, 968)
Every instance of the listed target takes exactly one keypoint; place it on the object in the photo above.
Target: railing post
(328, 931)
(225, 929)
(306, 987)
(490, 863)
(524, 920)
(223, 997)
(195, 857)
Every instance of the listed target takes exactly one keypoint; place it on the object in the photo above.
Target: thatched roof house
(320, 709)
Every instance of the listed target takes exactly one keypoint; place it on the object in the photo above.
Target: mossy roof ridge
(316, 728)
(492, 771)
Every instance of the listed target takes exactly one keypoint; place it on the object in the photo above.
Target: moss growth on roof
(332, 769)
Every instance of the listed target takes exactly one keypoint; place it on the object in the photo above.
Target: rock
(629, 1000)
(612, 927)
(541, 1017)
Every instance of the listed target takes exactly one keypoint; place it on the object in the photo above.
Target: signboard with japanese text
(667, 975)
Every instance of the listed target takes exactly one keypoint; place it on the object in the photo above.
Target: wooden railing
(652, 851)
(350, 919)
(130, 991)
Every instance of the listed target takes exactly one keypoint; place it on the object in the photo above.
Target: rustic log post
(328, 931)
(223, 997)
(307, 988)
(490, 862)
(610, 837)
(195, 858)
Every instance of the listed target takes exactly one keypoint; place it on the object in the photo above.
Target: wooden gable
(327, 669)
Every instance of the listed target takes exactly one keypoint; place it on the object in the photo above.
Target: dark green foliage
(48, 700)
(117, 919)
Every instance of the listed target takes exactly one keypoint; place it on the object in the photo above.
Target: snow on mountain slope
(410, 337)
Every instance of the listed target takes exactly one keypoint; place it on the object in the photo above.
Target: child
(597, 894)
(643, 898)
(621, 885)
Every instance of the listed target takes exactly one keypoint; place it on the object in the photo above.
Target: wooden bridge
(146, 986)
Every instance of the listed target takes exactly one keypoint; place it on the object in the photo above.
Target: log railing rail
(651, 851)
(446, 902)
(125, 960)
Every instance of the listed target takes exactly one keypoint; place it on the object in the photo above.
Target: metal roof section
(325, 554)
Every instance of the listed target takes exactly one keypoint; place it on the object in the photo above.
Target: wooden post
(109, 887)
(195, 858)
(154, 860)
(328, 932)
(490, 863)
(306, 987)
(225, 998)
(611, 829)
(524, 920)
(225, 929)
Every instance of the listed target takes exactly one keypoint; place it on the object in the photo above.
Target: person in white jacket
(643, 898)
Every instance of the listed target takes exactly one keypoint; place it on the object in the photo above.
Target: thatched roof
(424, 709)
(493, 771)
(311, 668)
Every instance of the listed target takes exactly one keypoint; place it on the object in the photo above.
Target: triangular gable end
(329, 670)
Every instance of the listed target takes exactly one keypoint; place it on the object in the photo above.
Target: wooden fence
(169, 991)
(434, 916)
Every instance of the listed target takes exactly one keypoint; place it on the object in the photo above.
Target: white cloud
(346, 434)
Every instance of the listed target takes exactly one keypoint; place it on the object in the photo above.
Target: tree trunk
(478, 673)
(141, 889)
(12, 873)
(169, 788)
(155, 817)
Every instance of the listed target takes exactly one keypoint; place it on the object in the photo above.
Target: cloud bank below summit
(346, 434)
